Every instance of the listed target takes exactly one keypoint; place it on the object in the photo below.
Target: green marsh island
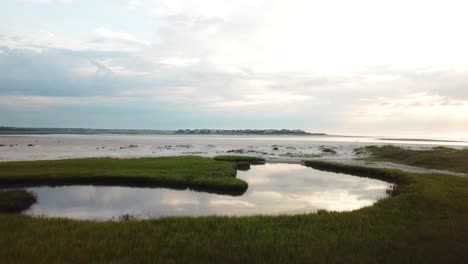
(177, 172)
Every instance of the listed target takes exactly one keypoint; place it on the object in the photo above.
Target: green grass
(235, 158)
(425, 223)
(192, 172)
(13, 201)
(441, 158)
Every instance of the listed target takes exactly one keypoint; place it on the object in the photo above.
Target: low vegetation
(14, 201)
(241, 162)
(441, 158)
(192, 172)
(424, 223)
(393, 176)
(236, 158)
(328, 150)
(243, 166)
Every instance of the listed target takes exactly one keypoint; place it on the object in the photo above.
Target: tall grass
(424, 223)
(14, 201)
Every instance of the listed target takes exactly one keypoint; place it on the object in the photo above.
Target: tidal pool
(273, 189)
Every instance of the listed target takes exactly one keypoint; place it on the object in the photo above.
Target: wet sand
(275, 149)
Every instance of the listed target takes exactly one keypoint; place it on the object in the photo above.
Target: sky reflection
(273, 189)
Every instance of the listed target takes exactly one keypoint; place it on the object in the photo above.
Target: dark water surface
(273, 189)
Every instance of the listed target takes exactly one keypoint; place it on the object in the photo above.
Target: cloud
(409, 114)
(178, 61)
(384, 108)
(47, 1)
(108, 35)
(318, 65)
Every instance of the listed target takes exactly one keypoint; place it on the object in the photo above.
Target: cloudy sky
(356, 67)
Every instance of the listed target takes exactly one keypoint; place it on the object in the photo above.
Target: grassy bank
(392, 176)
(424, 223)
(175, 172)
(13, 201)
(241, 162)
(441, 158)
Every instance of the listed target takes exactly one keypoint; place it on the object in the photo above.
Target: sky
(367, 67)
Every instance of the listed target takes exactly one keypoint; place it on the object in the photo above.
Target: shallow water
(273, 189)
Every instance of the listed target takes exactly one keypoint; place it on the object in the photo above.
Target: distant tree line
(44, 130)
(243, 132)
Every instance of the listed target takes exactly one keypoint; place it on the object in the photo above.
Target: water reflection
(273, 189)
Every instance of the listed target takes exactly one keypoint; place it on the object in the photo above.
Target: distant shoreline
(89, 131)
(422, 139)
(195, 132)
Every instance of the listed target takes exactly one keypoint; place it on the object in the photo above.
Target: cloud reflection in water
(273, 189)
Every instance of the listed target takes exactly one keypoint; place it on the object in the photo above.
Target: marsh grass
(391, 176)
(183, 172)
(327, 150)
(441, 158)
(424, 223)
(243, 166)
(14, 201)
(237, 158)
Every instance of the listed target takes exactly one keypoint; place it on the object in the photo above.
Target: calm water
(273, 189)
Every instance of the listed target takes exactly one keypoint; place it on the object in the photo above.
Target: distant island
(31, 130)
(245, 132)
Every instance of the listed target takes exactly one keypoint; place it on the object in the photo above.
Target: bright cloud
(105, 34)
(47, 1)
(333, 66)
